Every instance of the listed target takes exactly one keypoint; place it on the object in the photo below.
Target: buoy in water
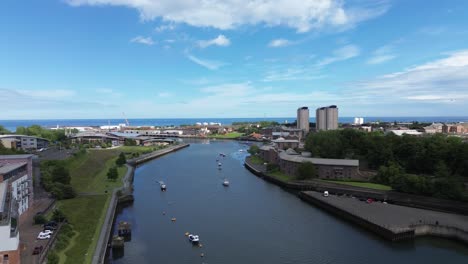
(202, 255)
(164, 213)
(200, 245)
(187, 233)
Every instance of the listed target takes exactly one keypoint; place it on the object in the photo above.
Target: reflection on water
(251, 221)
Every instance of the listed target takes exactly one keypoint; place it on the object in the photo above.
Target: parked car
(51, 223)
(43, 236)
(47, 227)
(37, 250)
(369, 201)
(325, 194)
(47, 232)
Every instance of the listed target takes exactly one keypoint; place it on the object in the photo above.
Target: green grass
(139, 149)
(279, 175)
(369, 185)
(86, 214)
(256, 160)
(231, 135)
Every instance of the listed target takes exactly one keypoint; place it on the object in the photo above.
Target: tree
(61, 174)
(3, 130)
(254, 149)
(130, 142)
(112, 174)
(58, 215)
(121, 160)
(305, 171)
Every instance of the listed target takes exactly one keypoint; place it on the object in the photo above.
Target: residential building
(16, 197)
(282, 143)
(23, 142)
(303, 119)
(433, 128)
(459, 128)
(289, 161)
(327, 118)
(400, 132)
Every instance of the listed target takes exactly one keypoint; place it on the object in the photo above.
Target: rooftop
(4, 169)
(333, 162)
(26, 136)
(3, 192)
(19, 156)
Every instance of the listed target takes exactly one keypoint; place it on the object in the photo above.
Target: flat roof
(26, 136)
(3, 192)
(332, 162)
(286, 141)
(10, 167)
(18, 156)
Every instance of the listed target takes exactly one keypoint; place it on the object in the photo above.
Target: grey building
(303, 119)
(23, 142)
(327, 118)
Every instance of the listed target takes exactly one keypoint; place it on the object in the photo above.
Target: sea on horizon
(11, 125)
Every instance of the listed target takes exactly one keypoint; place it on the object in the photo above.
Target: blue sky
(232, 58)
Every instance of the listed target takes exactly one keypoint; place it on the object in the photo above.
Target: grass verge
(279, 175)
(86, 214)
(368, 185)
(256, 160)
(231, 135)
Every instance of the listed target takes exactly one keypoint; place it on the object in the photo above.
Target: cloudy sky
(232, 58)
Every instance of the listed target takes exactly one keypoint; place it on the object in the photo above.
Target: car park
(47, 232)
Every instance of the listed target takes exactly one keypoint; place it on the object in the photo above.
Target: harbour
(251, 221)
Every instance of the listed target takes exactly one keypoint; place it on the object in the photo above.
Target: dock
(390, 221)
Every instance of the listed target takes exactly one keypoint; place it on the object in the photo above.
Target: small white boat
(163, 187)
(241, 150)
(193, 238)
(226, 182)
(219, 164)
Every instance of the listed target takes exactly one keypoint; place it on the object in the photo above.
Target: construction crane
(126, 120)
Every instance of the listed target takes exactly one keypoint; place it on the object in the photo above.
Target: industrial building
(327, 118)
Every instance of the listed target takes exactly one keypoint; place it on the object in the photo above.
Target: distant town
(40, 168)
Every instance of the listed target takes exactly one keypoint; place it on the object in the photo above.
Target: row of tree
(55, 178)
(429, 165)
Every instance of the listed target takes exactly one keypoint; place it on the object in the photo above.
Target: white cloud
(442, 80)
(381, 55)
(276, 43)
(209, 64)
(52, 94)
(220, 40)
(142, 40)
(302, 15)
(162, 28)
(344, 53)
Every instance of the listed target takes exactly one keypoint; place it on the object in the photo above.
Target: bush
(121, 160)
(58, 215)
(112, 173)
(272, 167)
(254, 150)
(306, 170)
(52, 258)
(39, 219)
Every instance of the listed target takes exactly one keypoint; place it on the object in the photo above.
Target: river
(251, 221)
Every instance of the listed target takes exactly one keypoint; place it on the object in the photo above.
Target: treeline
(429, 165)
(55, 178)
(38, 131)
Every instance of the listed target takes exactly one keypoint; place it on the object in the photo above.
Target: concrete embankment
(404, 199)
(392, 222)
(123, 195)
(155, 154)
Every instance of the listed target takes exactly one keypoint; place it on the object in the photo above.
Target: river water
(251, 221)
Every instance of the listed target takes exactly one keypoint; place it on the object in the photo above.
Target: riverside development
(248, 193)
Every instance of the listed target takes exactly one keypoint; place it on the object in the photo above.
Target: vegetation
(130, 142)
(39, 219)
(121, 160)
(55, 178)
(231, 135)
(38, 131)
(256, 160)
(429, 165)
(4, 131)
(254, 150)
(86, 214)
(368, 185)
(306, 171)
(279, 175)
(112, 174)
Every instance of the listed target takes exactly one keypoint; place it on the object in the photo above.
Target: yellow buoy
(187, 233)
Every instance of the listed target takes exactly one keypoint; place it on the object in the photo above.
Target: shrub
(306, 170)
(39, 219)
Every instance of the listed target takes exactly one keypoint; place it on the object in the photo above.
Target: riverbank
(451, 227)
(392, 222)
(124, 194)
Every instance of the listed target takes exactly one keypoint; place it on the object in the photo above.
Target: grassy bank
(86, 212)
(369, 185)
(256, 160)
(280, 176)
(231, 135)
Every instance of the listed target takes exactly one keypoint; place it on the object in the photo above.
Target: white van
(325, 194)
